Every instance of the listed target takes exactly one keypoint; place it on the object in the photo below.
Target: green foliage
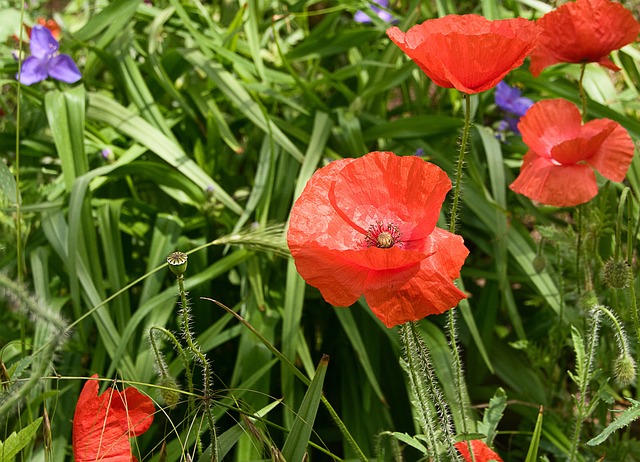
(195, 127)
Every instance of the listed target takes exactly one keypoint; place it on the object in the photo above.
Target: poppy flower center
(383, 235)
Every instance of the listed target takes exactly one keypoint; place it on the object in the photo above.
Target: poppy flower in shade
(367, 226)
(584, 31)
(559, 167)
(481, 452)
(46, 60)
(102, 425)
(468, 52)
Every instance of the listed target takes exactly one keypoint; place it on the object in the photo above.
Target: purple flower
(363, 17)
(46, 61)
(510, 99)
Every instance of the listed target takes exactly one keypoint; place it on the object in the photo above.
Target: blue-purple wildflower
(511, 101)
(46, 60)
(379, 8)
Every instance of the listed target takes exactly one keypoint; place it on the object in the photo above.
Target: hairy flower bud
(169, 391)
(624, 369)
(616, 273)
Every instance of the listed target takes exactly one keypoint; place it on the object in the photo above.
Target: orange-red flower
(50, 24)
(102, 425)
(467, 52)
(368, 226)
(481, 452)
(583, 31)
(558, 168)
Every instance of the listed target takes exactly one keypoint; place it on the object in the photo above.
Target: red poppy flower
(558, 168)
(102, 425)
(583, 31)
(467, 52)
(368, 226)
(481, 452)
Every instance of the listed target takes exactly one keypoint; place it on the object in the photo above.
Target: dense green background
(212, 117)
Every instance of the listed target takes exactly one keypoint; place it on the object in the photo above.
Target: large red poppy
(102, 425)
(467, 52)
(368, 226)
(583, 31)
(558, 168)
(481, 452)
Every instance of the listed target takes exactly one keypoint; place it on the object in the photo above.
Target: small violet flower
(46, 61)
(510, 100)
(364, 18)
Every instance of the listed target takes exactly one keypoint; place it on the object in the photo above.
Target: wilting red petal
(481, 452)
(467, 52)
(557, 168)
(548, 123)
(337, 236)
(583, 31)
(397, 297)
(552, 184)
(103, 424)
(381, 186)
(614, 155)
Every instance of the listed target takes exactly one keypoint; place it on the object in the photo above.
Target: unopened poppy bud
(539, 263)
(177, 263)
(169, 391)
(616, 273)
(624, 369)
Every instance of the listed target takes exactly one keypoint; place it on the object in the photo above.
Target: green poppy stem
(453, 220)
(583, 95)
(453, 223)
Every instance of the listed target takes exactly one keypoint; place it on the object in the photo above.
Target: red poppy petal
(548, 123)
(583, 31)
(100, 429)
(397, 297)
(557, 185)
(313, 218)
(133, 410)
(481, 452)
(340, 281)
(615, 153)
(467, 52)
(383, 187)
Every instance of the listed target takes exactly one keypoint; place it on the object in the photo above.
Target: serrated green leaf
(578, 347)
(16, 442)
(492, 416)
(622, 421)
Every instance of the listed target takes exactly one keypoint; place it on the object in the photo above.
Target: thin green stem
(585, 378)
(453, 220)
(195, 350)
(583, 95)
(578, 247)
